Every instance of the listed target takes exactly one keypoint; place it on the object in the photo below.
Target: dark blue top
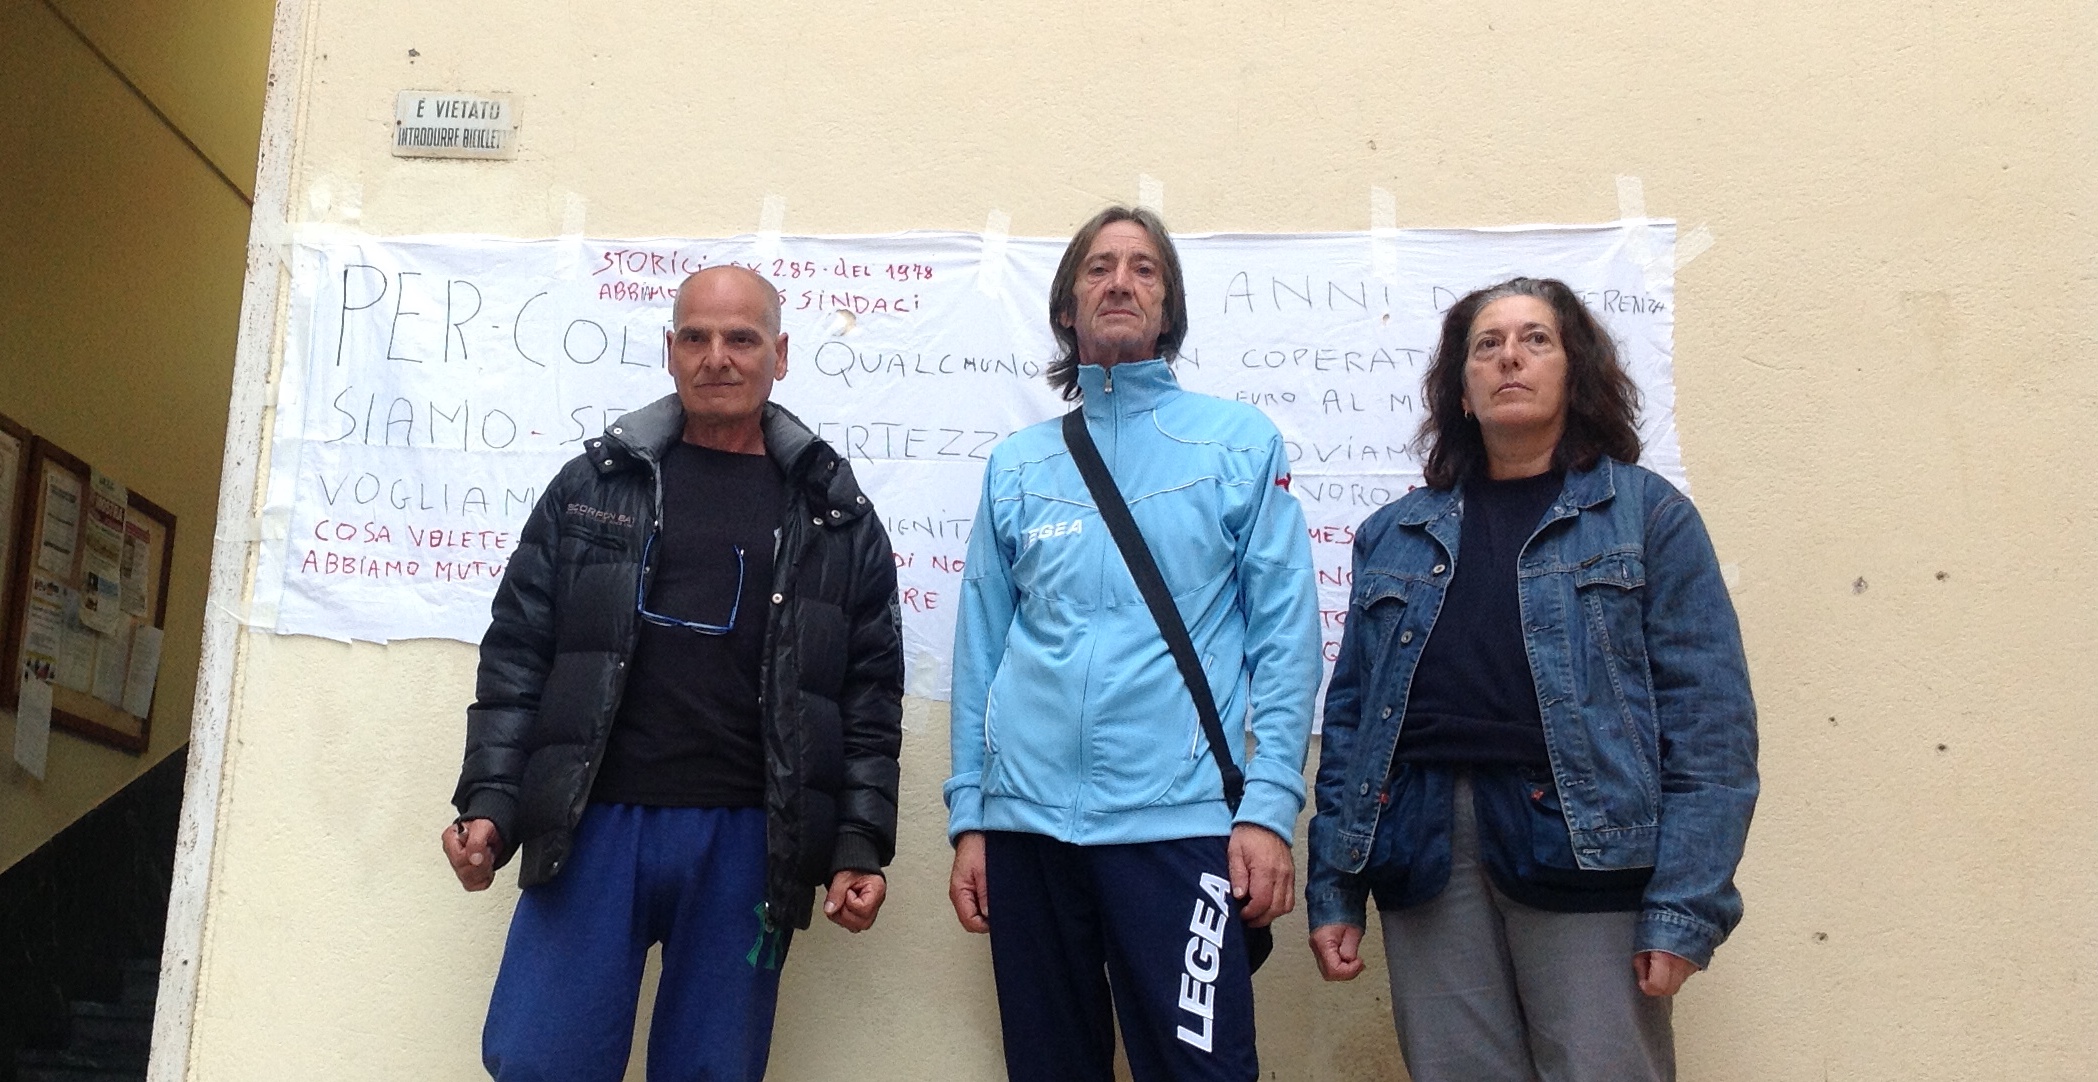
(1473, 700)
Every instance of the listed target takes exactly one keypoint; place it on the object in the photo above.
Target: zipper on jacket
(1112, 554)
(596, 762)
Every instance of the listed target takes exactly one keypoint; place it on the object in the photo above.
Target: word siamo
(1054, 529)
(1204, 957)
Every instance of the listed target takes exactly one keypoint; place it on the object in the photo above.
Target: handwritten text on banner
(432, 386)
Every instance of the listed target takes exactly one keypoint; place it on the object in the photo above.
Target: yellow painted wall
(120, 274)
(1885, 394)
(203, 62)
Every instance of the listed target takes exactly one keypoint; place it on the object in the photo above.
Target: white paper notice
(33, 727)
(432, 386)
(101, 589)
(134, 567)
(102, 558)
(112, 661)
(77, 646)
(44, 629)
(143, 672)
(61, 522)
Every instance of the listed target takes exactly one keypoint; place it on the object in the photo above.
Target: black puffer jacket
(553, 664)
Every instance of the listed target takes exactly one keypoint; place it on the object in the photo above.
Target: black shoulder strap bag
(1260, 942)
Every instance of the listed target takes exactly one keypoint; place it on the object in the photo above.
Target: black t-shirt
(688, 732)
(1473, 700)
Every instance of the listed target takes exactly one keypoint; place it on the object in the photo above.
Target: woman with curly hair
(1540, 750)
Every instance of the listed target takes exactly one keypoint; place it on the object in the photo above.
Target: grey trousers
(1486, 989)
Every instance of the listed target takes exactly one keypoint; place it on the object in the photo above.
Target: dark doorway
(80, 932)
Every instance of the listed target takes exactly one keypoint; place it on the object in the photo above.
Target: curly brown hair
(1602, 403)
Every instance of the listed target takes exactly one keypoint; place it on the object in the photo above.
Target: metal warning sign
(434, 124)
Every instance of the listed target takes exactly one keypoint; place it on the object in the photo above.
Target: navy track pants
(1081, 935)
(692, 879)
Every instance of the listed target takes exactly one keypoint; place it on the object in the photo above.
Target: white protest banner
(433, 385)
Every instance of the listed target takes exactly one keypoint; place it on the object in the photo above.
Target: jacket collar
(1128, 387)
(647, 432)
(1583, 489)
(1590, 487)
(807, 461)
(1433, 504)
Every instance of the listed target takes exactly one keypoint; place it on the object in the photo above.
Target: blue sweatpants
(1081, 935)
(692, 879)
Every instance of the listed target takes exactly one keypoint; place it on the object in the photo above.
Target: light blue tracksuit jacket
(1070, 718)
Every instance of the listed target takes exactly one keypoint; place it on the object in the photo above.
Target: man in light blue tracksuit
(1084, 797)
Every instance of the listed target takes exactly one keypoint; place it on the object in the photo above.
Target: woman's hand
(1338, 948)
(1660, 973)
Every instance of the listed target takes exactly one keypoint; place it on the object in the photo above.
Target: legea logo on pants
(1204, 957)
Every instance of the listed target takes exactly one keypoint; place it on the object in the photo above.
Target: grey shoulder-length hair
(1063, 293)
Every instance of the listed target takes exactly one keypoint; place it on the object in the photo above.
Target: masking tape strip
(924, 673)
(273, 531)
(266, 233)
(1631, 198)
(317, 233)
(1693, 244)
(262, 608)
(1151, 194)
(333, 200)
(772, 218)
(269, 530)
(1639, 239)
(575, 210)
(240, 618)
(990, 271)
(1631, 210)
(272, 525)
(1384, 234)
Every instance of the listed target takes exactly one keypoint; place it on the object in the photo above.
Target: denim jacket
(1641, 682)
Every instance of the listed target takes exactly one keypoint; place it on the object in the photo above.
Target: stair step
(72, 1059)
(141, 981)
(129, 1044)
(73, 1074)
(112, 1026)
(70, 1066)
(88, 1008)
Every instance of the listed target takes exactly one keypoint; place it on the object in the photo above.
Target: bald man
(687, 717)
